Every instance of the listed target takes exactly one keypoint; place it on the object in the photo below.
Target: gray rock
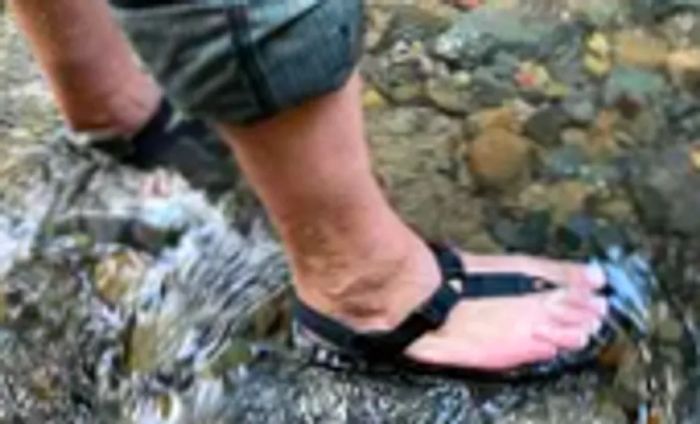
(574, 137)
(529, 233)
(565, 161)
(546, 125)
(665, 189)
(648, 127)
(648, 10)
(631, 89)
(410, 23)
(580, 109)
(490, 90)
(683, 112)
(481, 33)
(449, 94)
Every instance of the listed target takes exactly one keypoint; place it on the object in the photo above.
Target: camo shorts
(244, 60)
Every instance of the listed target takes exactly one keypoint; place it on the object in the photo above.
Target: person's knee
(242, 64)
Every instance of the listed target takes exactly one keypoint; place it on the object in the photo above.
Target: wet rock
(401, 72)
(523, 233)
(401, 84)
(411, 23)
(682, 30)
(419, 158)
(115, 275)
(648, 127)
(574, 137)
(632, 89)
(546, 124)
(450, 93)
(491, 90)
(616, 209)
(563, 55)
(600, 13)
(612, 413)
(648, 10)
(684, 113)
(563, 199)
(688, 402)
(665, 192)
(580, 109)
(565, 161)
(377, 22)
(373, 99)
(596, 66)
(684, 68)
(536, 83)
(321, 396)
(479, 34)
(602, 136)
(669, 330)
(629, 388)
(636, 48)
(504, 118)
(598, 60)
(499, 159)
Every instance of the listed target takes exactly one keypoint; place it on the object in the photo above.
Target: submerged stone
(500, 160)
(631, 89)
(546, 124)
(581, 109)
(665, 191)
(684, 68)
(451, 93)
(636, 48)
(481, 33)
(411, 23)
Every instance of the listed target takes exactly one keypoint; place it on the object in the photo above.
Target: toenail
(595, 274)
(585, 338)
(596, 327)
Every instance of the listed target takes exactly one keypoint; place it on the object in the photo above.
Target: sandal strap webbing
(386, 345)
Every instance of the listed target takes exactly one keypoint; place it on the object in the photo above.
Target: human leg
(86, 59)
(104, 94)
(352, 257)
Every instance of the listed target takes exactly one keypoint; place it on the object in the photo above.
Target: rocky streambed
(548, 127)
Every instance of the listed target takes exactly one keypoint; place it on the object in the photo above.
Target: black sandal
(329, 343)
(172, 141)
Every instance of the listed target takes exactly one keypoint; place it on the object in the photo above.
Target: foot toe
(565, 337)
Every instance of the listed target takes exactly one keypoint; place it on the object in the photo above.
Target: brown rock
(500, 159)
(568, 198)
(684, 66)
(563, 198)
(602, 138)
(504, 118)
(695, 157)
(638, 49)
(617, 209)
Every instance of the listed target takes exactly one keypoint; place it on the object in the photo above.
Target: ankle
(373, 288)
(116, 112)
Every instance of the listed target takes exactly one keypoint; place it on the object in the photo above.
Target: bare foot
(487, 333)
(502, 333)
